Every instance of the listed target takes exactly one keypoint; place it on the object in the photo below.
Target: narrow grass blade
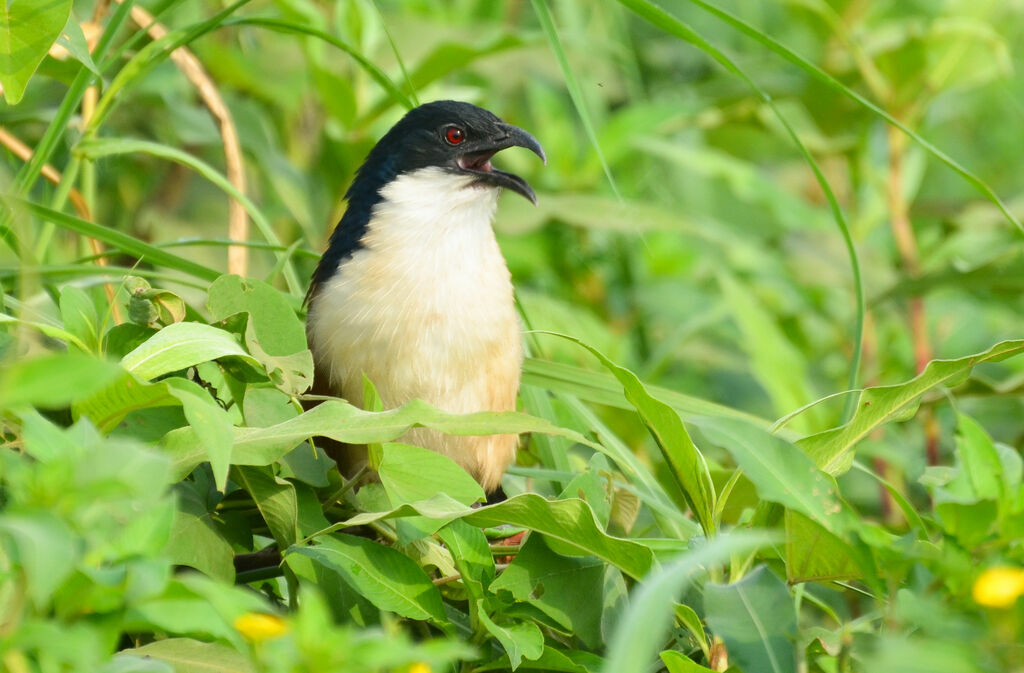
(116, 239)
(547, 22)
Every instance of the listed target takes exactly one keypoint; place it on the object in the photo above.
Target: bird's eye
(454, 135)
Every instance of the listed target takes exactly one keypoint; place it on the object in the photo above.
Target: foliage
(797, 219)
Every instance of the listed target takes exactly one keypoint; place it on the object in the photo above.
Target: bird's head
(455, 137)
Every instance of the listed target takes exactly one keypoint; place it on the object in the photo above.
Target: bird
(413, 291)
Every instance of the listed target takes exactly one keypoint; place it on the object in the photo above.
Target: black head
(455, 136)
(446, 134)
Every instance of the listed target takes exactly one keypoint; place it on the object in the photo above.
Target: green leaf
(643, 628)
(520, 639)
(781, 472)
(756, 619)
(28, 28)
(181, 345)
(689, 618)
(410, 473)
(54, 381)
(831, 449)
(980, 464)
(192, 656)
(552, 659)
(387, 578)
(72, 39)
(814, 554)
(346, 423)
(43, 547)
(106, 408)
(554, 584)
(570, 528)
(685, 460)
(208, 421)
(471, 554)
(275, 498)
(195, 540)
(79, 317)
(677, 662)
(274, 335)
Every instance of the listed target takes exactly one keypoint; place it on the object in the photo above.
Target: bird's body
(419, 298)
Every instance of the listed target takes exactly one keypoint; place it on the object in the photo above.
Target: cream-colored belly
(426, 311)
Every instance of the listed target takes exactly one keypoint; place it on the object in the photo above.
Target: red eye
(454, 135)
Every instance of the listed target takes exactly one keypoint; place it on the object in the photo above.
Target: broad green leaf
(186, 655)
(520, 639)
(876, 406)
(346, 423)
(273, 333)
(54, 381)
(979, 461)
(685, 460)
(814, 554)
(570, 528)
(410, 473)
(73, 39)
(677, 662)
(275, 498)
(781, 472)
(552, 659)
(108, 407)
(78, 314)
(554, 584)
(28, 28)
(208, 421)
(178, 346)
(756, 619)
(689, 618)
(643, 629)
(569, 525)
(471, 554)
(195, 540)
(41, 546)
(386, 577)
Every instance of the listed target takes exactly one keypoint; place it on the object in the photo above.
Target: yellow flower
(257, 626)
(999, 587)
(419, 667)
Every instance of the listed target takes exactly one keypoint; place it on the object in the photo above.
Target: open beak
(477, 159)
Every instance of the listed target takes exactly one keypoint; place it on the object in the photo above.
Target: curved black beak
(477, 158)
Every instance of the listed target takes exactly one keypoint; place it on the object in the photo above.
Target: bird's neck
(433, 210)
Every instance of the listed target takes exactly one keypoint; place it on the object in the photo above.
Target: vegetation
(751, 211)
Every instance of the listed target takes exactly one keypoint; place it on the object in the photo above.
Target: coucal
(413, 290)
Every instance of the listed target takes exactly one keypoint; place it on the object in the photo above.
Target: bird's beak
(477, 160)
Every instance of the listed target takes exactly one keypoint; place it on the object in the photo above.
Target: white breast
(425, 309)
